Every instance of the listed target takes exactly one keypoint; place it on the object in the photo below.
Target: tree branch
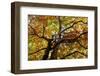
(53, 52)
(73, 53)
(59, 26)
(72, 25)
(68, 40)
(38, 35)
(81, 45)
(43, 30)
(81, 34)
(37, 51)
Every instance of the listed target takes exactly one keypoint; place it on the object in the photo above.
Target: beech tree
(57, 37)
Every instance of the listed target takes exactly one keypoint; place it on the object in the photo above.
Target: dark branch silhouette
(37, 51)
(68, 40)
(34, 33)
(73, 53)
(81, 45)
(72, 25)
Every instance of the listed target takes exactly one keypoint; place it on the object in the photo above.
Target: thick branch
(53, 52)
(46, 54)
(68, 40)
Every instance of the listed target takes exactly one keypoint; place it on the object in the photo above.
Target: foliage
(57, 37)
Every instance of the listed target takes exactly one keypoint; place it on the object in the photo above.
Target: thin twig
(81, 45)
(72, 25)
(38, 35)
(73, 53)
(37, 51)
